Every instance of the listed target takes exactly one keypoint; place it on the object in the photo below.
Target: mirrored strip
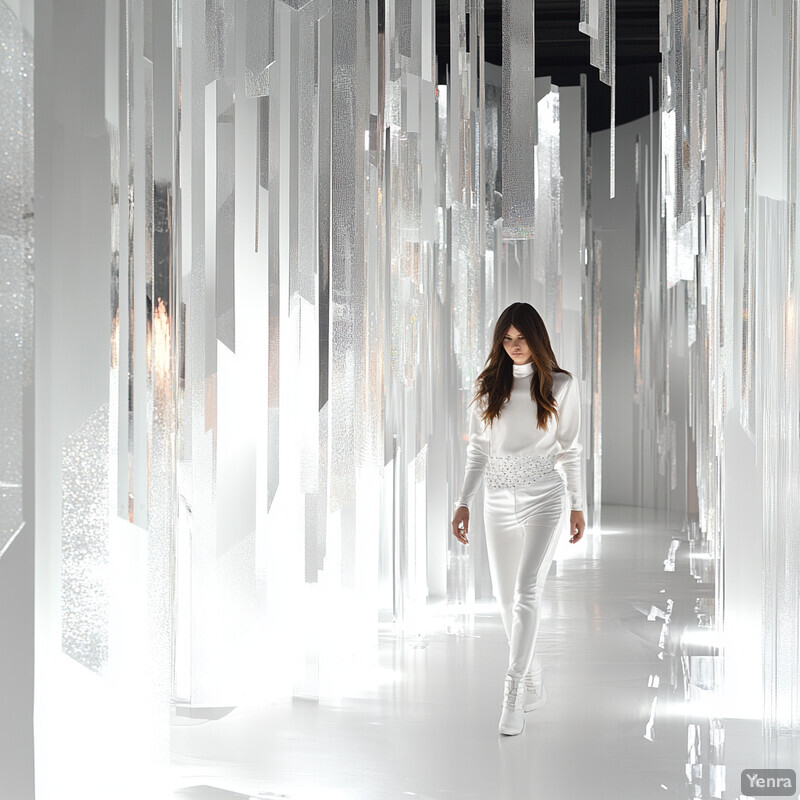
(519, 120)
(276, 137)
(222, 46)
(346, 253)
(16, 267)
(259, 47)
(85, 543)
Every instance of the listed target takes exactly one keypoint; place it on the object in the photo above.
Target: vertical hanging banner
(599, 23)
(519, 119)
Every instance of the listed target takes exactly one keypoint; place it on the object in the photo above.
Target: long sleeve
(568, 432)
(477, 459)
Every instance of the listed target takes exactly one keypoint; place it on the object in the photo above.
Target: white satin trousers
(522, 530)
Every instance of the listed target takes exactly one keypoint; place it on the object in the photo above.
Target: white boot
(535, 693)
(512, 718)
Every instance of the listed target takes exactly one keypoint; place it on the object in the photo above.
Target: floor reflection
(632, 667)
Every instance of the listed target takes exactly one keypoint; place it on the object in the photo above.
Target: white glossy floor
(615, 726)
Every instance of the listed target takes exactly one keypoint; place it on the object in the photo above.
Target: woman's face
(516, 346)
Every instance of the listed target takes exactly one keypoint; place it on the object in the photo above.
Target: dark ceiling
(562, 52)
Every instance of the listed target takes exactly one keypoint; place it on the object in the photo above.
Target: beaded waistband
(512, 471)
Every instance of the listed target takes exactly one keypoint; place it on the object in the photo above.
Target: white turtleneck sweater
(515, 433)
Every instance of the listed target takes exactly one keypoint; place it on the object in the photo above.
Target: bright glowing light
(710, 706)
(656, 613)
(648, 730)
(703, 636)
(160, 341)
(669, 561)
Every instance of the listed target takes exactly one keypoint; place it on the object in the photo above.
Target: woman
(525, 423)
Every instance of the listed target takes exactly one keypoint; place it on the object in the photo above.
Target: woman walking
(525, 423)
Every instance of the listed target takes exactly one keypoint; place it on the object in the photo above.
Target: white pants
(522, 531)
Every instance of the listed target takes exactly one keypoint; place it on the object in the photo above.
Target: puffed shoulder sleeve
(477, 458)
(568, 436)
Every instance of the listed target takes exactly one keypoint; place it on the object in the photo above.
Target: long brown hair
(497, 378)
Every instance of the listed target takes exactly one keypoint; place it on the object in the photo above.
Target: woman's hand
(576, 526)
(461, 516)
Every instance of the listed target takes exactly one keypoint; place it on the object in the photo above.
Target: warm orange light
(160, 348)
(115, 341)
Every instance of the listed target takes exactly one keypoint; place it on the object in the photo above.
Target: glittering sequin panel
(513, 471)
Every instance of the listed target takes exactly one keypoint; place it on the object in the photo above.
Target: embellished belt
(511, 471)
